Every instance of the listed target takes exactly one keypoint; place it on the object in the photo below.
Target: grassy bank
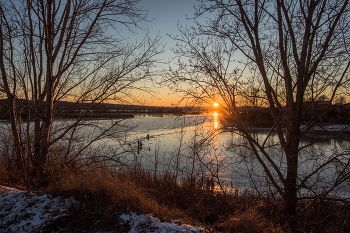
(106, 194)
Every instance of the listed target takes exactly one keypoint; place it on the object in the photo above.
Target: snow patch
(22, 211)
(147, 223)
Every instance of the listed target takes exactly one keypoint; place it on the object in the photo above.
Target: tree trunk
(43, 133)
(290, 184)
(290, 199)
(38, 157)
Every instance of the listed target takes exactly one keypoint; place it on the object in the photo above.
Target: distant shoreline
(332, 128)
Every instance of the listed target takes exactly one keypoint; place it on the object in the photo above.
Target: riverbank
(25, 211)
(102, 200)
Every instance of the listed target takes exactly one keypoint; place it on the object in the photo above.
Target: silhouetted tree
(67, 50)
(296, 51)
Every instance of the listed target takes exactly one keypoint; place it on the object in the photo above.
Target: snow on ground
(28, 212)
(22, 211)
(146, 223)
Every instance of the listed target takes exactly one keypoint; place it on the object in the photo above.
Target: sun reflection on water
(216, 120)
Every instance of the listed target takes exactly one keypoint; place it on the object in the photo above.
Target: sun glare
(216, 104)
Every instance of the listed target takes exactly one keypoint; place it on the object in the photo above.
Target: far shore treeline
(65, 109)
(255, 116)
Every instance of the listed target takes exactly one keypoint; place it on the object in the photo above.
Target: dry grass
(105, 194)
(327, 216)
(99, 184)
(249, 221)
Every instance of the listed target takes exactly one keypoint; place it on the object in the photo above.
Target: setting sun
(216, 104)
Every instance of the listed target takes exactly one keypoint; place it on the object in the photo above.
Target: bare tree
(75, 51)
(296, 51)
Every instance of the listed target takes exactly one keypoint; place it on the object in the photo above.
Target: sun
(216, 104)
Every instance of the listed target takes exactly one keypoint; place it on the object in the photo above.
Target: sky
(166, 15)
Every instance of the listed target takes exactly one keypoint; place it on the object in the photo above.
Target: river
(194, 145)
